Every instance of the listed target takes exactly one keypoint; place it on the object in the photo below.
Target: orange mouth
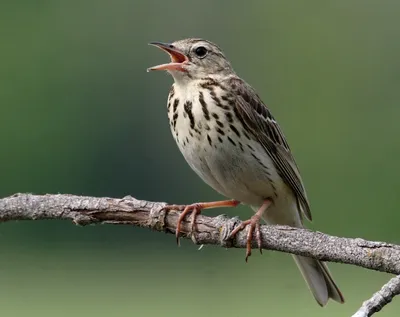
(178, 59)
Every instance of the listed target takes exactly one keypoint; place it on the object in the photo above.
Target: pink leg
(254, 223)
(196, 209)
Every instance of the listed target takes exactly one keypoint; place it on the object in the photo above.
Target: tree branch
(379, 256)
(381, 298)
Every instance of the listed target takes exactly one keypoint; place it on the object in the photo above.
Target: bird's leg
(254, 223)
(195, 209)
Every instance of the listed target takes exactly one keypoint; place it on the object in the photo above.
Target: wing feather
(258, 120)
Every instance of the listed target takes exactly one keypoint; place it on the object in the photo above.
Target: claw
(195, 213)
(258, 237)
(254, 225)
(196, 209)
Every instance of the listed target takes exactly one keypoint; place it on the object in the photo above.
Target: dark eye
(201, 51)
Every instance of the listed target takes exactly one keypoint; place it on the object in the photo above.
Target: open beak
(178, 59)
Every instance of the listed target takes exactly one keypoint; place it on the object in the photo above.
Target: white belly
(232, 164)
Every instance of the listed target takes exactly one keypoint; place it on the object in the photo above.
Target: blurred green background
(80, 115)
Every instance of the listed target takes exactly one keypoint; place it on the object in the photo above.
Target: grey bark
(379, 256)
(381, 298)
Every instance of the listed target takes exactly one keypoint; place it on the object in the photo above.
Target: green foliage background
(80, 115)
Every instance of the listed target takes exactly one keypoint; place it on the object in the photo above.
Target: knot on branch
(226, 225)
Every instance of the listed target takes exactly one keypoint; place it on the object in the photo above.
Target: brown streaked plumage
(231, 140)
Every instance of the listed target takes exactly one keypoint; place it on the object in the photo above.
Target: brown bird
(229, 137)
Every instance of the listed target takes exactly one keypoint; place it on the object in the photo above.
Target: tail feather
(319, 280)
(316, 273)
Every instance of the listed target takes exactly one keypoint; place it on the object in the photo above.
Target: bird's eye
(201, 51)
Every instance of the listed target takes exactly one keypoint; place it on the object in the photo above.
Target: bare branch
(381, 298)
(379, 256)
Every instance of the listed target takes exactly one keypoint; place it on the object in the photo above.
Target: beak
(178, 59)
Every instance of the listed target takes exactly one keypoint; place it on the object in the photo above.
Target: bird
(230, 138)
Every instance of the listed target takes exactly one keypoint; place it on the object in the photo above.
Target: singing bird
(229, 137)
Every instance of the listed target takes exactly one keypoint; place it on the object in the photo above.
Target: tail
(319, 280)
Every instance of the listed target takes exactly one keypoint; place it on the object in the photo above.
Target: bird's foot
(254, 226)
(196, 209)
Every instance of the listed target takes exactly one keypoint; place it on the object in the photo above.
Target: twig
(381, 298)
(379, 256)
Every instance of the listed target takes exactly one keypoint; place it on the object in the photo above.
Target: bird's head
(193, 59)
